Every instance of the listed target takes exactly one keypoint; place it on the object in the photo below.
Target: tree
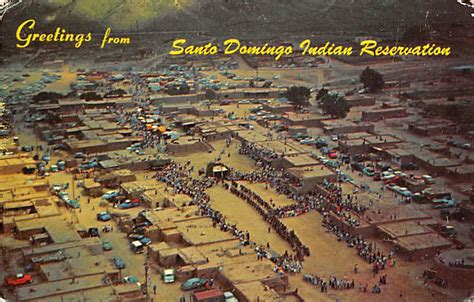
(334, 105)
(299, 96)
(321, 93)
(116, 92)
(45, 96)
(211, 94)
(372, 79)
(90, 96)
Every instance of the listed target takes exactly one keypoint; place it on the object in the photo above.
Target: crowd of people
(326, 201)
(332, 282)
(329, 200)
(286, 262)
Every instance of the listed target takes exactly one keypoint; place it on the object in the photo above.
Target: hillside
(227, 17)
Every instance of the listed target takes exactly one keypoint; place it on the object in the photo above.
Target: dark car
(358, 166)
(94, 232)
(27, 148)
(194, 283)
(106, 245)
(29, 170)
(103, 216)
(118, 262)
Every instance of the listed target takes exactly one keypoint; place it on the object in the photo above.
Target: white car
(428, 179)
(386, 176)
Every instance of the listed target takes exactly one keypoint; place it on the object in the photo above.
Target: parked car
(118, 262)
(127, 204)
(299, 136)
(103, 216)
(332, 164)
(428, 179)
(307, 141)
(131, 280)
(404, 192)
(79, 155)
(106, 245)
(29, 169)
(358, 166)
(320, 142)
(27, 148)
(332, 154)
(93, 232)
(18, 279)
(110, 194)
(369, 171)
(443, 203)
(168, 275)
(390, 179)
(229, 297)
(194, 283)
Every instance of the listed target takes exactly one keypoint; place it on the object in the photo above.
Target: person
(154, 289)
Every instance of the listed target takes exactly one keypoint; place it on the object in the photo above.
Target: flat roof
(59, 230)
(399, 152)
(353, 142)
(257, 291)
(381, 139)
(404, 228)
(30, 251)
(56, 288)
(252, 136)
(463, 169)
(77, 267)
(311, 172)
(251, 271)
(301, 160)
(382, 214)
(299, 117)
(280, 147)
(422, 241)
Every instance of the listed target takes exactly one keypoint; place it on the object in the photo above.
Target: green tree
(372, 79)
(334, 105)
(45, 96)
(90, 96)
(321, 93)
(299, 96)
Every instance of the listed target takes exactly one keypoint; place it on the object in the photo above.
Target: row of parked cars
(390, 178)
(120, 202)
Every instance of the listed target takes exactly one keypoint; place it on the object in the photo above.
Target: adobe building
(399, 155)
(456, 267)
(385, 113)
(337, 127)
(306, 178)
(360, 100)
(292, 161)
(308, 120)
